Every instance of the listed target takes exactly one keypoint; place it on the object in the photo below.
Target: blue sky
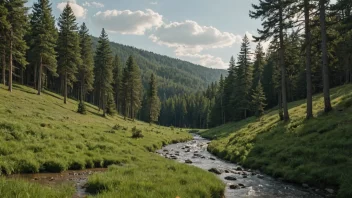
(205, 32)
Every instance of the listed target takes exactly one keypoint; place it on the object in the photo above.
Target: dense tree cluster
(310, 51)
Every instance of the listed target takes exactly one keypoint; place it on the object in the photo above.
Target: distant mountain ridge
(174, 76)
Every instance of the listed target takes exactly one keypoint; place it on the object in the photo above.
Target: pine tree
(324, 48)
(229, 91)
(276, 19)
(16, 44)
(258, 66)
(43, 39)
(124, 96)
(258, 100)
(85, 70)
(103, 71)
(4, 26)
(134, 87)
(117, 75)
(243, 80)
(69, 51)
(153, 101)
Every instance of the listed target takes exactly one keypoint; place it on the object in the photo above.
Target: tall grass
(41, 134)
(317, 152)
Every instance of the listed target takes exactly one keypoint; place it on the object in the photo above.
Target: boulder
(188, 161)
(216, 171)
(305, 185)
(231, 178)
(212, 158)
(329, 190)
(260, 176)
(234, 186)
(239, 169)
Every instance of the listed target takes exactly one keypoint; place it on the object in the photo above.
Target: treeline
(63, 60)
(310, 51)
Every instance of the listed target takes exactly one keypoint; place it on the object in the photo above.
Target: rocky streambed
(240, 182)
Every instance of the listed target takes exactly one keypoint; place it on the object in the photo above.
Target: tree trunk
(347, 69)
(283, 68)
(308, 61)
(10, 65)
(131, 104)
(4, 67)
(281, 115)
(65, 88)
(40, 76)
(327, 102)
(35, 76)
(103, 105)
(22, 75)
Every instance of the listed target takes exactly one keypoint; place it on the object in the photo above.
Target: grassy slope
(317, 152)
(40, 133)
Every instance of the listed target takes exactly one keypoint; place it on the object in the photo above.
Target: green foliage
(68, 48)
(85, 73)
(304, 151)
(76, 142)
(82, 108)
(258, 100)
(103, 71)
(137, 133)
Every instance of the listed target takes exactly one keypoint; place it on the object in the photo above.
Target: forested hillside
(174, 76)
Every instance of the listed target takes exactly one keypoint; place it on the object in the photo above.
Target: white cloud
(190, 34)
(78, 10)
(189, 39)
(154, 3)
(206, 60)
(94, 4)
(128, 22)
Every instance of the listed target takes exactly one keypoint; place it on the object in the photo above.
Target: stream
(240, 182)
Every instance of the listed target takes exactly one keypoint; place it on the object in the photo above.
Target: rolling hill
(174, 76)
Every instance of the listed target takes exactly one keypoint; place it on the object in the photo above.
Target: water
(265, 186)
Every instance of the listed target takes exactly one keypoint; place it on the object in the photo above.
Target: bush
(137, 133)
(77, 164)
(117, 127)
(54, 166)
(82, 108)
(27, 166)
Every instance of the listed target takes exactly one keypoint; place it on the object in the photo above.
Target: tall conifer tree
(17, 18)
(153, 101)
(43, 39)
(4, 26)
(276, 19)
(103, 71)
(117, 75)
(68, 48)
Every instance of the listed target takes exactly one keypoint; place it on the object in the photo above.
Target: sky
(205, 32)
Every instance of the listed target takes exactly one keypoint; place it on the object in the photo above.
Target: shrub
(137, 133)
(117, 127)
(82, 108)
(54, 166)
(27, 166)
(77, 164)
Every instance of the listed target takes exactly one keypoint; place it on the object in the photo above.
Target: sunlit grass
(317, 152)
(42, 134)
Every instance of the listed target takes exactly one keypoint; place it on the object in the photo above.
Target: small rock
(241, 185)
(227, 171)
(239, 169)
(231, 178)
(165, 150)
(51, 179)
(202, 157)
(234, 186)
(212, 158)
(215, 170)
(245, 176)
(188, 161)
(253, 173)
(329, 190)
(188, 150)
(187, 147)
(260, 176)
(305, 185)
(36, 178)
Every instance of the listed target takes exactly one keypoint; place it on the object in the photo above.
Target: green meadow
(42, 134)
(317, 152)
